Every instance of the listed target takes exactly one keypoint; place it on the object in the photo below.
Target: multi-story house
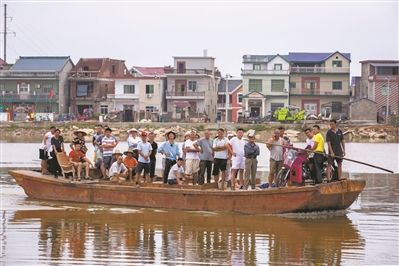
(152, 86)
(265, 83)
(92, 80)
(320, 80)
(230, 97)
(35, 85)
(192, 85)
(379, 82)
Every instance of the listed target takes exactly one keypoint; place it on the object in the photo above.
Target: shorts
(142, 166)
(275, 166)
(331, 160)
(43, 154)
(107, 161)
(238, 162)
(172, 182)
(219, 165)
(192, 166)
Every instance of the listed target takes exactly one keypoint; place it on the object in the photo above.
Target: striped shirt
(107, 151)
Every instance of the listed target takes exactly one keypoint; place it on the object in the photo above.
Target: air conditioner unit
(149, 95)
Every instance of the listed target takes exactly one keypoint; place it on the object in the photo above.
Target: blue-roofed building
(320, 82)
(35, 86)
(265, 84)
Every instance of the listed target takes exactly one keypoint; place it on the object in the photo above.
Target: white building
(265, 83)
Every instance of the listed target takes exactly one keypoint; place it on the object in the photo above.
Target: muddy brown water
(37, 232)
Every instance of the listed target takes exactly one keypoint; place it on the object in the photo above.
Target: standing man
(220, 149)
(171, 152)
(286, 139)
(192, 150)
(206, 158)
(153, 159)
(108, 144)
(133, 140)
(276, 156)
(238, 161)
(96, 141)
(251, 151)
(336, 147)
(43, 152)
(57, 143)
(144, 150)
(318, 158)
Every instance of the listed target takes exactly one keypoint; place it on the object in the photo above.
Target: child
(130, 162)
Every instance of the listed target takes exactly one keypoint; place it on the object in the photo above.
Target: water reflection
(148, 236)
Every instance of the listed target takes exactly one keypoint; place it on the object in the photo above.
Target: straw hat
(129, 151)
(132, 130)
(116, 151)
(76, 132)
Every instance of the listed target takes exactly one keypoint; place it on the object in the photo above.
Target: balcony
(224, 105)
(28, 74)
(264, 72)
(189, 72)
(27, 97)
(384, 77)
(179, 95)
(321, 70)
(307, 92)
(123, 96)
(83, 74)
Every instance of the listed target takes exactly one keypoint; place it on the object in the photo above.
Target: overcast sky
(149, 34)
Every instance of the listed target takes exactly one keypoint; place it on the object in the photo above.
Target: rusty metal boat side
(337, 195)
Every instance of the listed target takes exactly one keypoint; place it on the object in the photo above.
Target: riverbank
(33, 131)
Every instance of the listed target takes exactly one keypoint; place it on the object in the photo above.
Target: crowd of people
(226, 159)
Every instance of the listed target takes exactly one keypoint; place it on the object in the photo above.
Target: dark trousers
(205, 165)
(152, 167)
(318, 167)
(168, 165)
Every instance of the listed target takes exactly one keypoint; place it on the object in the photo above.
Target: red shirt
(76, 156)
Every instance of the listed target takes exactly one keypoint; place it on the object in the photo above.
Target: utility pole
(5, 32)
(227, 100)
(387, 107)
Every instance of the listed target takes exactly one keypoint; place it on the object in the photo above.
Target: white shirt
(174, 168)
(117, 169)
(145, 149)
(309, 142)
(132, 142)
(191, 155)
(238, 146)
(47, 144)
(220, 143)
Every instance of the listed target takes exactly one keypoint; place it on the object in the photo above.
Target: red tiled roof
(2, 62)
(150, 71)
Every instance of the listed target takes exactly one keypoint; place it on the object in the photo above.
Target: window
(278, 66)
(181, 67)
(337, 85)
(239, 98)
(256, 66)
(104, 109)
(255, 85)
(113, 69)
(24, 87)
(2, 87)
(149, 89)
(337, 63)
(82, 90)
(277, 85)
(192, 85)
(292, 85)
(128, 89)
(310, 84)
(150, 109)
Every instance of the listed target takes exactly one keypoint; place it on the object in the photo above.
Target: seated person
(176, 173)
(118, 171)
(130, 162)
(79, 160)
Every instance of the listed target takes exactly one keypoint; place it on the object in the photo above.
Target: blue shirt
(145, 149)
(171, 151)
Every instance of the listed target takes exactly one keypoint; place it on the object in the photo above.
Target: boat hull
(332, 196)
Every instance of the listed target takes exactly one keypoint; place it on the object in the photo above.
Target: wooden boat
(330, 196)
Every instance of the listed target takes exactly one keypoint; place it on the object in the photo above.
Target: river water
(58, 233)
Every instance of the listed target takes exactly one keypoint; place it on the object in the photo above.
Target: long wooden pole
(339, 157)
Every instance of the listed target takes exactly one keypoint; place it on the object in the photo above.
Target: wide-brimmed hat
(116, 151)
(251, 135)
(79, 131)
(230, 134)
(171, 132)
(128, 151)
(132, 130)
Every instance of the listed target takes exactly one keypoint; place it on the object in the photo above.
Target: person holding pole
(336, 147)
